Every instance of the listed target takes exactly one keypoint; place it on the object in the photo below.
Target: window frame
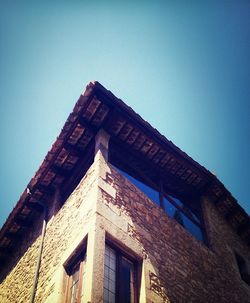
(200, 216)
(120, 253)
(76, 260)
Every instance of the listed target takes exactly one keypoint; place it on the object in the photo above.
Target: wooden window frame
(120, 252)
(76, 260)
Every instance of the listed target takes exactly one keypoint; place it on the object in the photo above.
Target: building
(117, 213)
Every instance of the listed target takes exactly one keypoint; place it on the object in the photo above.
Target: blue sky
(185, 68)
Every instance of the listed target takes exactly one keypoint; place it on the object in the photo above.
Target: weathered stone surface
(186, 270)
(175, 266)
(70, 224)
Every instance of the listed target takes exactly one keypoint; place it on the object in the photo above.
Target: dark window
(242, 265)
(75, 279)
(184, 215)
(120, 277)
(177, 209)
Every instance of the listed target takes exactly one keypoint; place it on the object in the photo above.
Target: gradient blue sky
(185, 68)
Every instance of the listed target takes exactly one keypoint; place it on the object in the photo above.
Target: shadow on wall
(142, 229)
(176, 260)
(27, 241)
(26, 248)
(22, 249)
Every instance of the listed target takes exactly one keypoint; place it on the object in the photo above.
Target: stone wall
(65, 230)
(177, 267)
(174, 266)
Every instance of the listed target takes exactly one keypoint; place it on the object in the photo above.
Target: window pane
(74, 293)
(127, 281)
(191, 214)
(106, 295)
(75, 269)
(119, 283)
(74, 284)
(111, 297)
(169, 208)
(75, 276)
(183, 220)
(194, 229)
(177, 201)
(186, 208)
(147, 190)
(109, 275)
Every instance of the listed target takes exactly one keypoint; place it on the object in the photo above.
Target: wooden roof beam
(243, 227)
(36, 206)
(85, 124)
(12, 236)
(220, 199)
(232, 211)
(6, 251)
(44, 189)
(60, 171)
(3, 260)
(73, 150)
(23, 222)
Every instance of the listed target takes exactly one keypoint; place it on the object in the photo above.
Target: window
(120, 279)
(146, 189)
(75, 277)
(186, 216)
(242, 266)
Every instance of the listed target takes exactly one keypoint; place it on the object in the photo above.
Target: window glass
(109, 275)
(169, 208)
(177, 201)
(75, 285)
(147, 190)
(182, 219)
(119, 277)
(191, 213)
(194, 229)
(127, 278)
(185, 208)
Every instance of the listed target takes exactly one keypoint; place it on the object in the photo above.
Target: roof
(98, 108)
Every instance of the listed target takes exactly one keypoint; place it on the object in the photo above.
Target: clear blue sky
(185, 68)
